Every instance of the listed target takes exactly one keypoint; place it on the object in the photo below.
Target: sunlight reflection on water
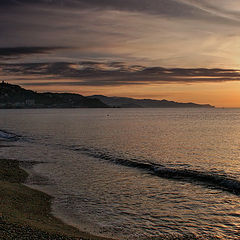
(95, 192)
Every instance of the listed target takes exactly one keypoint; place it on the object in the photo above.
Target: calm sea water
(134, 173)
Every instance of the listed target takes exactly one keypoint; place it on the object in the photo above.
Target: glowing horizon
(180, 50)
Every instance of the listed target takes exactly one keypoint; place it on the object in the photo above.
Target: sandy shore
(25, 213)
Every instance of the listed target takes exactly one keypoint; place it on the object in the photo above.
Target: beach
(103, 182)
(26, 213)
(120, 120)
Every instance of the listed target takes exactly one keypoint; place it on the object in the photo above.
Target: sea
(133, 173)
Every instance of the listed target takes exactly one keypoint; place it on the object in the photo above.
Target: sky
(180, 50)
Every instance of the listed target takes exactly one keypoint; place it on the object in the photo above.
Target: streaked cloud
(111, 44)
(170, 33)
(113, 74)
(15, 52)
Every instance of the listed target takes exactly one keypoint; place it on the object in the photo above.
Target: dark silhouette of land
(14, 96)
(123, 102)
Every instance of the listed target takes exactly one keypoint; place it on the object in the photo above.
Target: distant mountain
(13, 96)
(123, 102)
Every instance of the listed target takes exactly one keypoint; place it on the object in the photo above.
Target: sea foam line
(219, 181)
(4, 135)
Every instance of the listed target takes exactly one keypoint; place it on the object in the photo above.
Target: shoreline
(25, 213)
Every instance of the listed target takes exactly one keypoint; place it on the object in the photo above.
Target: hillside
(145, 103)
(13, 96)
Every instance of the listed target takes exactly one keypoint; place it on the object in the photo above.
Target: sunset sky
(180, 50)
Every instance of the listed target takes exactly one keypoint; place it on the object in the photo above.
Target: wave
(4, 135)
(211, 179)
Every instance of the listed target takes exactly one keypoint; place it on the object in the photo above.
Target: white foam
(5, 135)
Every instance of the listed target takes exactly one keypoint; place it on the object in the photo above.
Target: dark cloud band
(112, 74)
(16, 51)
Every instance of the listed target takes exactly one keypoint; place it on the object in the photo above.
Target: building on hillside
(30, 102)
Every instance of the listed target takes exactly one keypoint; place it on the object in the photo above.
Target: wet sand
(26, 213)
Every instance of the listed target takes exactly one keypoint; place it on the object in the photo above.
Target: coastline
(25, 213)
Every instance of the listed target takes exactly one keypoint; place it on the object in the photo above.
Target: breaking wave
(4, 135)
(211, 179)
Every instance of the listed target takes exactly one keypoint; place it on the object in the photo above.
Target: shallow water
(134, 173)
